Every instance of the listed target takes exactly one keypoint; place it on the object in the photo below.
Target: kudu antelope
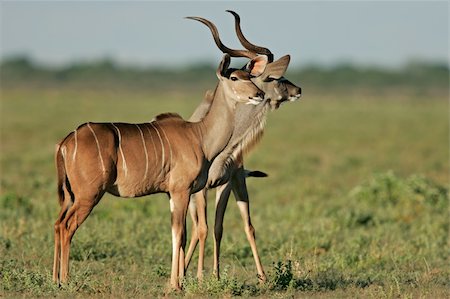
(227, 171)
(167, 155)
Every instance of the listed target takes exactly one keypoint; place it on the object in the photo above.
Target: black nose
(260, 94)
(299, 91)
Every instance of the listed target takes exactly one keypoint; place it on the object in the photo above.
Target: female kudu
(229, 174)
(168, 155)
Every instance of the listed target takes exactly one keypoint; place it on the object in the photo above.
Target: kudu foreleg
(240, 192)
(178, 204)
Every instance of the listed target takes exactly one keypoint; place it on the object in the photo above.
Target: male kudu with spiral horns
(227, 171)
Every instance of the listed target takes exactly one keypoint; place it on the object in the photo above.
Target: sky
(150, 33)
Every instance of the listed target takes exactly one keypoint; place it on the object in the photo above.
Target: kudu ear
(276, 69)
(223, 66)
(257, 65)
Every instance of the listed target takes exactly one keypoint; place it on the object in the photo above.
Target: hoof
(173, 288)
(262, 278)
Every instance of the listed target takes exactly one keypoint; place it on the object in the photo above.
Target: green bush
(389, 189)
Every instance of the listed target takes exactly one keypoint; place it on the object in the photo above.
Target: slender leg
(65, 243)
(57, 252)
(239, 188)
(202, 230)
(181, 264)
(179, 204)
(74, 217)
(56, 256)
(194, 235)
(222, 196)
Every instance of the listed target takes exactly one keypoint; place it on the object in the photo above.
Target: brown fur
(168, 155)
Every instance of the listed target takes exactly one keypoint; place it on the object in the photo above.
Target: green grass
(355, 205)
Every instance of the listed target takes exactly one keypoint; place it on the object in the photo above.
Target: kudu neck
(248, 129)
(202, 109)
(218, 124)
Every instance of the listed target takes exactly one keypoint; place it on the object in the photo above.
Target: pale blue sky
(155, 33)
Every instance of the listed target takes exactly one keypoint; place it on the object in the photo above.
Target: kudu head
(277, 89)
(237, 85)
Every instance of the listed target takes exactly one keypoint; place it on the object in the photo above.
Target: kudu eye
(234, 78)
(269, 79)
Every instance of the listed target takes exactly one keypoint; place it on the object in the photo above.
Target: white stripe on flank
(154, 146)
(63, 152)
(124, 163)
(162, 145)
(145, 150)
(98, 148)
(76, 146)
(170, 147)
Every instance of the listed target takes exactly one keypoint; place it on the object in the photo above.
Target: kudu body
(227, 172)
(168, 155)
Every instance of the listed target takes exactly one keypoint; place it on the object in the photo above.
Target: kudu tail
(255, 174)
(61, 173)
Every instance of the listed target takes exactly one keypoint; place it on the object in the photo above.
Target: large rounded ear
(223, 66)
(257, 65)
(276, 69)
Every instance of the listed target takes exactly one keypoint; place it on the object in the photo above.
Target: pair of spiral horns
(252, 50)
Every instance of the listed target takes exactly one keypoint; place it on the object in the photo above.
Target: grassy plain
(355, 205)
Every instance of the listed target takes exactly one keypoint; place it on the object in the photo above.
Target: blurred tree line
(420, 78)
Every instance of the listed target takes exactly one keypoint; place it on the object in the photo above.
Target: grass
(355, 205)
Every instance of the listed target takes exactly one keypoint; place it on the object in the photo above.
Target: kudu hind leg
(240, 192)
(74, 217)
(202, 230)
(57, 251)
